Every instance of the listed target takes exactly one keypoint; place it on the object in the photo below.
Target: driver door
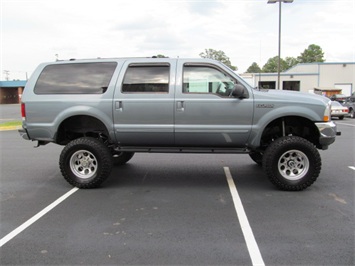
(206, 114)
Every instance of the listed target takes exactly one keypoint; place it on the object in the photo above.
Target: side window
(75, 78)
(205, 79)
(146, 79)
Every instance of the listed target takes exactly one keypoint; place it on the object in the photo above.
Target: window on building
(291, 85)
(267, 85)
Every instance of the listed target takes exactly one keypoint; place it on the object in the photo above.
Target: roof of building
(12, 83)
(327, 89)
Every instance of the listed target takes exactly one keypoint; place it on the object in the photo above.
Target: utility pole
(279, 60)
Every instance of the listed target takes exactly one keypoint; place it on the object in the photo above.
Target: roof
(13, 83)
(327, 89)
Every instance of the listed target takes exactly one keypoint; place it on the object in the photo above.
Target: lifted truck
(105, 110)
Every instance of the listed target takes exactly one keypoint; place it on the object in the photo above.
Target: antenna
(7, 74)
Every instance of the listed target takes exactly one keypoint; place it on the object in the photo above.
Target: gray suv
(105, 110)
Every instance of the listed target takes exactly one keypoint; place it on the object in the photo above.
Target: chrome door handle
(180, 106)
(119, 106)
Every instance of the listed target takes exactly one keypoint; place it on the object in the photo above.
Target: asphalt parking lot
(174, 209)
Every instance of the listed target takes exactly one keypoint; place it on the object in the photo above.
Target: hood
(292, 96)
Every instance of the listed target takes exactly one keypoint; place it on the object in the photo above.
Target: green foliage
(254, 68)
(291, 61)
(219, 56)
(272, 63)
(313, 53)
(160, 56)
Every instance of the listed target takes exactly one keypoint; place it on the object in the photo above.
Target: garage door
(346, 88)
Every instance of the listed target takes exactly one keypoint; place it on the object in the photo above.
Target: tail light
(23, 111)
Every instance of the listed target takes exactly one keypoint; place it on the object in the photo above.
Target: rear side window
(75, 78)
(146, 79)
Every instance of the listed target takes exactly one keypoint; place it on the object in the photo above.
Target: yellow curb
(8, 128)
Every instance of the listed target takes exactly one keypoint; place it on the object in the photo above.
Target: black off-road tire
(122, 157)
(257, 157)
(292, 163)
(85, 162)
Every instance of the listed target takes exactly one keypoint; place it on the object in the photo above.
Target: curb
(8, 128)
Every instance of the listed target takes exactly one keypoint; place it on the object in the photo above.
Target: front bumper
(328, 131)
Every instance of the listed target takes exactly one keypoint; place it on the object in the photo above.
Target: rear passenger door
(143, 107)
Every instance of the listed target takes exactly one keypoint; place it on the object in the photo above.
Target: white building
(329, 78)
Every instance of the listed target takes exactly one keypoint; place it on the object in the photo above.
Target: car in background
(339, 97)
(338, 110)
(350, 103)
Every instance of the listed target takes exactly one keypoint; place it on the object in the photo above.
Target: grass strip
(10, 125)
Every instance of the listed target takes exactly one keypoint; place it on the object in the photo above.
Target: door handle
(180, 106)
(119, 106)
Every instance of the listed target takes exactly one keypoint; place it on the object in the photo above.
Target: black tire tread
(100, 150)
(292, 142)
(257, 157)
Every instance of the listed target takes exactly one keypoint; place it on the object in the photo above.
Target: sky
(36, 31)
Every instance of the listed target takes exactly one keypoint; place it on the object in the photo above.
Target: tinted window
(146, 79)
(75, 78)
(204, 79)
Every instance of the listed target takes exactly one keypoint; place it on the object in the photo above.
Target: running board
(181, 150)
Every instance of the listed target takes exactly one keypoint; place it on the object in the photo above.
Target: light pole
(279, 59)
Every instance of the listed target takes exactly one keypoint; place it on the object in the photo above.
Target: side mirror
(239, 91)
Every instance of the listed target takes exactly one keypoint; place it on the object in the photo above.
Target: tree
(160, 56)
(313, 53)
(271, 65)
(254, 68)
(291, 61)
(219, 56)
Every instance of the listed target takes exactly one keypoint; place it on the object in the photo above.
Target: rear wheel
(292, 163)
(85, 162)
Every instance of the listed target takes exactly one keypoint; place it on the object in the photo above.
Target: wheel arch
(77, 126)
(285, 126)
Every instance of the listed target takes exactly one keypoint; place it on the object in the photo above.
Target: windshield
(334, 103)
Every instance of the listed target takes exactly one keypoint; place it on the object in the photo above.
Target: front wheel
(352, 113)
(292, 163)
(85, 162)
(256, 157)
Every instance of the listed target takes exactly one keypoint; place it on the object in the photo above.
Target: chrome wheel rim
(83, 164)
(293, 165)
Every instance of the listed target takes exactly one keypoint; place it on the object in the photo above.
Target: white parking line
(252, 246)
(352, 167)
(345, 124)
(22, 227)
